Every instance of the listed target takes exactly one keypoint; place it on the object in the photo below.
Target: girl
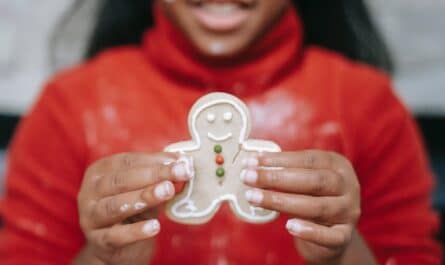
(86, 176)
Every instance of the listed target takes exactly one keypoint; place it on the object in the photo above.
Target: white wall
(415, 30)
(25, 33)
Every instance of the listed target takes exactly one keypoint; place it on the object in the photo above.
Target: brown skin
(116, 236)
(264, 14)
(319, 189)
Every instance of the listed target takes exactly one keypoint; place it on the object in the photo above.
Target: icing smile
(219, 139)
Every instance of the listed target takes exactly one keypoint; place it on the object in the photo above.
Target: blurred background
(29, 55)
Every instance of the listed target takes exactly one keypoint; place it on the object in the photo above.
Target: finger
(120, 235)
(304, 181)
(319, 209)
(115, 209)
(139, 178)
(126, 161)
(331, 237)
(310, 159)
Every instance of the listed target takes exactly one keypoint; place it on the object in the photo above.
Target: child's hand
(115, 192)
(320, 189)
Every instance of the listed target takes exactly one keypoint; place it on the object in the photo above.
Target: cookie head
(222, 119)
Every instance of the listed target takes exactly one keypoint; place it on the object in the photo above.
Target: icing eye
(211, 117)
(228, 116)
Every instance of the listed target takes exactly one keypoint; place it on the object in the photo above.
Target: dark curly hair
(344, 26)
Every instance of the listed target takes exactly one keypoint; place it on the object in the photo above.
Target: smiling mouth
(222, 15)
(219, 139)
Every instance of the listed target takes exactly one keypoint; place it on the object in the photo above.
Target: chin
(220, 48)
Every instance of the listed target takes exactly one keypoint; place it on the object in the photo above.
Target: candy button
(217, 149)
(220, 172)
(219, 159)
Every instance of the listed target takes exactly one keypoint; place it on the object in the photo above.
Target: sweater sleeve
(44, 172)
(397, 220)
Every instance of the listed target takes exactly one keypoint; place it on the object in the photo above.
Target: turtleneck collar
(260, 66)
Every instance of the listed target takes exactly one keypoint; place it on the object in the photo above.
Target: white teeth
(221, 9)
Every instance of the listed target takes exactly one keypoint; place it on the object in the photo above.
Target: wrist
(87, 256)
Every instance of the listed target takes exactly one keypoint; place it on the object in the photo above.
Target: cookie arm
(261, 146)
(181, 147)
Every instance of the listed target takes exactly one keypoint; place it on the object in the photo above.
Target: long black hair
(344, 26)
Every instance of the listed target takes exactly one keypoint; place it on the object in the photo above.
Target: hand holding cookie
(320, 189)
(115, 192)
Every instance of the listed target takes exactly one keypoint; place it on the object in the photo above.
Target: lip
(219, 139)
(220, 16)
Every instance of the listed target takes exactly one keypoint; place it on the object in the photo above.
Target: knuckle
(126, 161)
(156, 174)
(343, 212)
(278, 201)
(118, 256)
(333, 156)
(321, 209)
(270, 159)
(108, 241)
(146, 196)
(110, 207)
(356, 213)
(318, 235)
(341, 239)
(331, 159)
(338, 181)
(117, 183)
(273, 178)
(321, 182)
(85, 213)
(92, 168)
(83, 223)
(310, 159)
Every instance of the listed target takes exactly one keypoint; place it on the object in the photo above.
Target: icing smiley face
(219, 125)
(221, 121)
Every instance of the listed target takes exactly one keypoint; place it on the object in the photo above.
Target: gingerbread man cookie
(219, 125)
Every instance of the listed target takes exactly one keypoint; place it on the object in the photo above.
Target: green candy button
(217, 149)
(220, 172)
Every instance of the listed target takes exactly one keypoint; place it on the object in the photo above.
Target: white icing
(125, 207)
(228, 116)
(219, 139)
(214, 205)
(196, 143)
(188, 162)
(249, 145)
(194, 131)
(211, 117)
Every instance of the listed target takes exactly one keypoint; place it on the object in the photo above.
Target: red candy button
(219, 159)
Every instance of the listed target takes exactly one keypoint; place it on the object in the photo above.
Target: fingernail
(249, 176)
(164, 190)
(295, 227)
(140, 205)
(254, 196)
(151, 227)
(183, 169)
(250, 162)
(179, 170)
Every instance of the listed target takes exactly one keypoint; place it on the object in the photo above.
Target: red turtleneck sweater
(137, 99)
